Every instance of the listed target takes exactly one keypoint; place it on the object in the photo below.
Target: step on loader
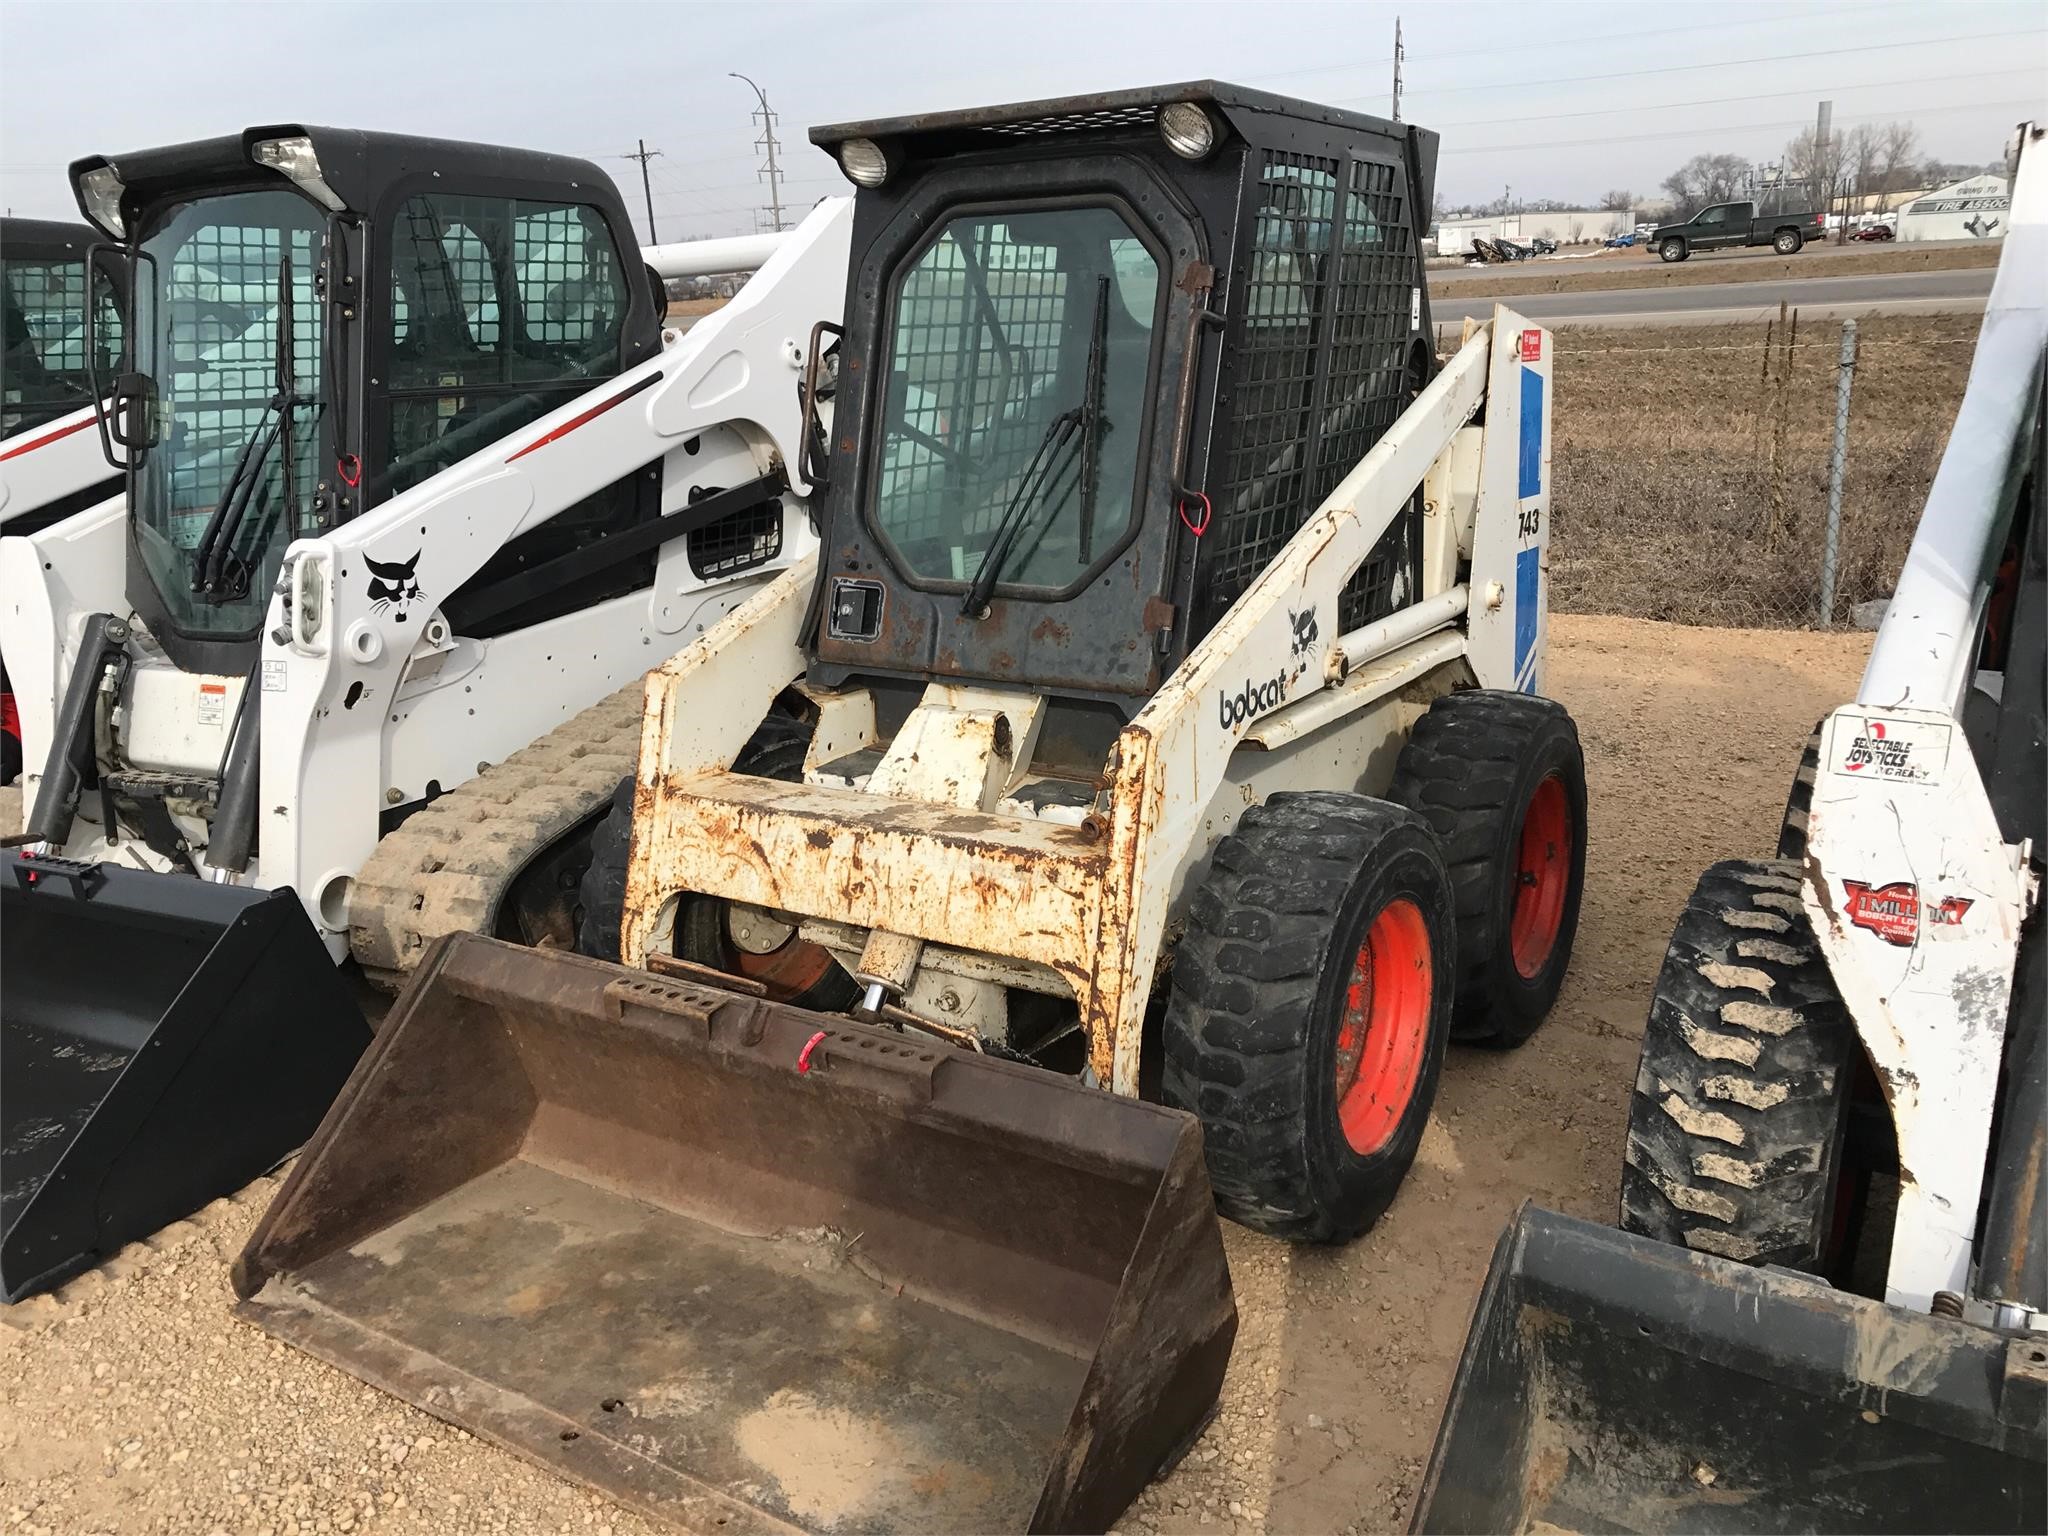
(1827, 1308)
(1160, 720)
(417, 486)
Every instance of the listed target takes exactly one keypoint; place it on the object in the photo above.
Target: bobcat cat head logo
(392, 586)
(1305, 631)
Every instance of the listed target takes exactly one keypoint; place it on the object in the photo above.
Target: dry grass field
(1692, 466)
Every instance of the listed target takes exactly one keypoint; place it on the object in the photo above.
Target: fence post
(1845, 379)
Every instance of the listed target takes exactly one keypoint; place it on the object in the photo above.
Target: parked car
(1875, 232)
(1731, 224)
(1620, 242)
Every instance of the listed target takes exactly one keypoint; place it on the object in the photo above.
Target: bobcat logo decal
(1305, 632)
(392, 586)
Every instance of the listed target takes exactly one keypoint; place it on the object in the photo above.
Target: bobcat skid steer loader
(50, 466)
(1160, 720)
(1856, 1027)
(415, 399)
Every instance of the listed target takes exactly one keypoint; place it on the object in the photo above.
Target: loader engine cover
(1612, 1383)
(162, 1043)
(745, 1267)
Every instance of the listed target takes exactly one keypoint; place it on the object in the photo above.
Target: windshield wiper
(1081, 425)
(213, 560)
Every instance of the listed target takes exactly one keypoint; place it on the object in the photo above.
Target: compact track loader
(49, 466)
(1828, 1306)
(1159, 719)
(416, 482)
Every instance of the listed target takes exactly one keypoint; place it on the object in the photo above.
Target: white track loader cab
(416, 484)
(50, 466)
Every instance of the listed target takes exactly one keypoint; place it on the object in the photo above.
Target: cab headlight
(1188, 130)
(295, 158)
(99, 193)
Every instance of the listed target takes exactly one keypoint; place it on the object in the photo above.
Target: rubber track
(448, 868)
(1799, 803)
(1737, 1111)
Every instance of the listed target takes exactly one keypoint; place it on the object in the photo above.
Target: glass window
(991, 390)
(42, 300)
(460, 375)
(207, 324)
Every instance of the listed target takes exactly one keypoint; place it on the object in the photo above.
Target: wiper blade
(1082, 426)
(213, 561)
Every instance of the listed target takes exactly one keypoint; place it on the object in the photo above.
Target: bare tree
(1864, 152)
(1900, 141)
(1618, 201)
(1703, 181)
(1819, 162)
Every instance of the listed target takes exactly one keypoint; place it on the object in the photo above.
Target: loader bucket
(744, 1267)
(162, 1042)
(1615, 1384)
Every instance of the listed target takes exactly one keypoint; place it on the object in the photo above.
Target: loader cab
(46, 283)
(323, 319)
(1103, 356)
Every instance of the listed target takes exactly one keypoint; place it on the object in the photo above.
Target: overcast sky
(1555, 100)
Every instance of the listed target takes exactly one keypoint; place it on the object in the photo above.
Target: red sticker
(1892, 912)
(1532, 346)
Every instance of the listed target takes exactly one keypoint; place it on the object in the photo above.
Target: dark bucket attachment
(162, 1042)
(744, 1267)
(1614, 1384)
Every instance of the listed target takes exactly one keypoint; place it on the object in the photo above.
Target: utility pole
(1398, 55)
(767, 142)
(643, 155)
(1822, 160)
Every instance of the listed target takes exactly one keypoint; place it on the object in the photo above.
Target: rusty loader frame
(924, 854)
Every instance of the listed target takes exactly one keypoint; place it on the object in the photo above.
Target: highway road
(1817, 298)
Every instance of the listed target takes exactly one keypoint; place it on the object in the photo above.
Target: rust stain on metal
(1050, 629)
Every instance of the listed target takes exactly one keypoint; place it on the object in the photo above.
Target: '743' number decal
(1528, 521)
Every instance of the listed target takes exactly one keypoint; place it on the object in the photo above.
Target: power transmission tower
(1399, 54)
(770, 170)
(643, 155)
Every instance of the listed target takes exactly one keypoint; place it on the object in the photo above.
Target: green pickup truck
(1727, 224)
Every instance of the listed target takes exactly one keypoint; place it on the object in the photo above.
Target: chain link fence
(1691, 465)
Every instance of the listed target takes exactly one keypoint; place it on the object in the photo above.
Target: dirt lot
(1640, 268)
(133, 1403)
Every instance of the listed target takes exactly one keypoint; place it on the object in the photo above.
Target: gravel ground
(133, 1402)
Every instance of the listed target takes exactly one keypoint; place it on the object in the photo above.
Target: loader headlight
(865, 162)
(295, 158)
(1188, 130)
(99, 194)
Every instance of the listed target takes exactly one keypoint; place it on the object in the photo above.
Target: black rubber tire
(1786, 242)
(1256, 1001)
(1673, 249)
(1736, 1125)
(1799, 802)
(776, 751)
(1470, 768)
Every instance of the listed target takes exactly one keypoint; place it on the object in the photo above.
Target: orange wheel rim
(1543, 876)
(1385, 1028)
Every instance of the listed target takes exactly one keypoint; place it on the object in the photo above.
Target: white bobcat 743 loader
(1146, 779)
(1827, 1308)
(415, 483)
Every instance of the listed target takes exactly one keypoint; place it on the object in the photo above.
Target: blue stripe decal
(1528, 606)
(1532, 434)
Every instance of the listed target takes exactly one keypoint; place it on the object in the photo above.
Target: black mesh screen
(736, 543)
(1324, 334)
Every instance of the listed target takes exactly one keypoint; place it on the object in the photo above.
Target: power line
(1674, 69)
(1576, 42)
(1719, 101)
(1693, 133)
